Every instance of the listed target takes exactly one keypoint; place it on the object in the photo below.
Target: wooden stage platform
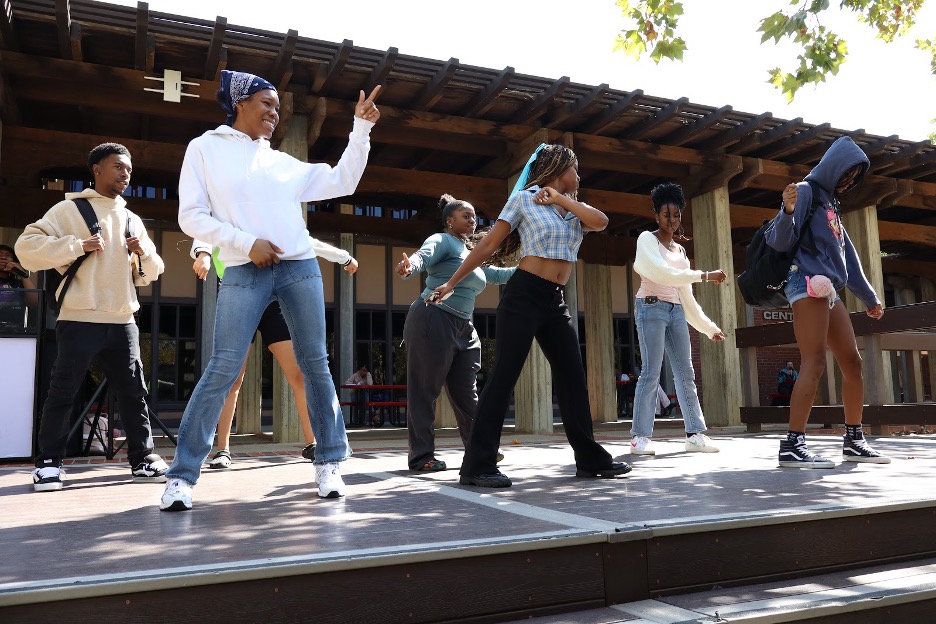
(260, 546)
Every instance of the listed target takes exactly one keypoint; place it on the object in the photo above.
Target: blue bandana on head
(238, 86)
(525, 174)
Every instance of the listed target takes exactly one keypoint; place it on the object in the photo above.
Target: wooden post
(928, 291)
(249, 400)
(346, 364)
(911, 369)
(599, 336)
(721, 361)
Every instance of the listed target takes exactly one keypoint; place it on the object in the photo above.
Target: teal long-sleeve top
(440, 256)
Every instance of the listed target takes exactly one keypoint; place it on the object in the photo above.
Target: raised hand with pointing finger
(365, 108)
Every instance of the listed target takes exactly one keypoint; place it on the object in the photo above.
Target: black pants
(118, 350)
(532, 307)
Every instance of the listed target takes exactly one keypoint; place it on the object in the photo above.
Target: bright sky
(883, 88)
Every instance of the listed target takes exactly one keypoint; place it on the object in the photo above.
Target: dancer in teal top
(442, 346)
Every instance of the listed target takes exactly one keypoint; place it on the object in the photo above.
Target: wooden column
(286, 425)
(533, 405)
(346, 364)
(249, 400)
(599, 336)
(910, 362)
(444, 414)
(928, 290)
(862, 228)
(721, 361)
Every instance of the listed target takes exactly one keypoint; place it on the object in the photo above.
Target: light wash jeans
(662, 326)
(245, 292)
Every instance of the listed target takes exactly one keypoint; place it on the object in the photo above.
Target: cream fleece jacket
(651, 265)
(103, 289)
(234, 190)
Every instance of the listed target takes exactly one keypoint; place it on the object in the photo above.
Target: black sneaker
(492, 480)
(859, 451)
(152, 469)
(309, 451)
(615, 469)
(796, 455)
(48, 477)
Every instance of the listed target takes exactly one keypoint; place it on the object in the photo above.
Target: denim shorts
(795, 287)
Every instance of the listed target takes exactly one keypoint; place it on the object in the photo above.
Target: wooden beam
(432, 92)
(7, 31)
(648, 125)
(573, 109)
(149, 63)
(486, 194)
(63, 28)
(285, 115)
(757, 140)
(815, 153)
(317, 118)
(876, 147)
(324, 80)
(20, 206)
(729, 137)
(142, 31)
(611, 114)
(74, 39)
(282, 66)
(789, 144)
(9, 109)
(687, 133)
(921, 163)
(213, 61)
(382, 71)
(899, 158)
(541, 104)
(484, 100)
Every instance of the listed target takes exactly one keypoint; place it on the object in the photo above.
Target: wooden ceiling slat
(383, 69)
(323, 81)
(282, 64)
(757, 140)
(920, 166)
(876, 147)
(483, 102)
(899, 158)
(737, 133)
(648, 125)
(213, 61)
(790, 144)
(74, 39)
(685, 135)
(815, 153)
(542, 103)
(570, 110)
(142, 30)
(63, 28)
(432, 92)
(610, 115)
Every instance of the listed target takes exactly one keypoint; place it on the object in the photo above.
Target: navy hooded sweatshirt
(829, 251)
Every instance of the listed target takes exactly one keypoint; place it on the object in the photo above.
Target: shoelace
(45, 473)
(862, 444)
(804, 451)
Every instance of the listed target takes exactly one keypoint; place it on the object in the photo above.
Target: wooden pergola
(80, 72)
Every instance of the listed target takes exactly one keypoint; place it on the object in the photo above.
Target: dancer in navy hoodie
(825, 263)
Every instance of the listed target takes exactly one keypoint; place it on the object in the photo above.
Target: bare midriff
(556, 271)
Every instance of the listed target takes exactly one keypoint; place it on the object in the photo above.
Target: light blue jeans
(662, 326)
(244, 294)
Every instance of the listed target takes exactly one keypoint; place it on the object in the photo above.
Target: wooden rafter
(282, 67)
(432, 92)
(686, 134)
(648, 125)
(876, 147)
(758, 140)
(382, 71)
(573, 109)
(816, 152)
(737, 133)
(610, 115)
(483, 102)
(541, 104)
(285, 115)
(323, 80)
(899, 158)
(791, 143)
(63, 28)
(142, 31)
(317, 117)
(919, 166)
(215, 48)
(74, 40)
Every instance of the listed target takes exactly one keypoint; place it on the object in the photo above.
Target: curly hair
(104, 150)
(670, 193)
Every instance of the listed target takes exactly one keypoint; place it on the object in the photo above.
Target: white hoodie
(234, 190)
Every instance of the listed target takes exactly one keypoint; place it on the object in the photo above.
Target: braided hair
(670, 193)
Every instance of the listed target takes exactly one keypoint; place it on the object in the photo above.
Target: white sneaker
(48, 478)
(177, 496)
(641, 446)
(700, 443)
(328, 477)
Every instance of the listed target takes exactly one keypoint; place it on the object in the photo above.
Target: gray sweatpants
(442, 350)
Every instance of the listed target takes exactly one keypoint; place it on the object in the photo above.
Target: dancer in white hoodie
(240, 195)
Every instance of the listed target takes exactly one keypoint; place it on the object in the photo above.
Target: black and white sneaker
(859, 451)
(48, 477)
(797, 455)
(151, 470)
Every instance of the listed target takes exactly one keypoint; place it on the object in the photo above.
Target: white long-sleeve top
(320, 248)
(651, 265)
(234, 190)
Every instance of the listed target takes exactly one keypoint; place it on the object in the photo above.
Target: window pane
(167, 319)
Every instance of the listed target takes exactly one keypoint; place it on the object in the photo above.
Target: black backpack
(766, 269)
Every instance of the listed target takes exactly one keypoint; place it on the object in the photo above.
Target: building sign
(778, 315)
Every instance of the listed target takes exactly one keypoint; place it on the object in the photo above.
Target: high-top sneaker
(859, 451)
(795, 454)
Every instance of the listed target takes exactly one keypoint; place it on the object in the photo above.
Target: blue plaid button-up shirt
(543, 233)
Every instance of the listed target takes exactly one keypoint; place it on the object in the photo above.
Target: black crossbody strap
(91, 220)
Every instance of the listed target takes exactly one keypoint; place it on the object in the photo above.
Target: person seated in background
(361, 378)
(13, 302)
(785, 380)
